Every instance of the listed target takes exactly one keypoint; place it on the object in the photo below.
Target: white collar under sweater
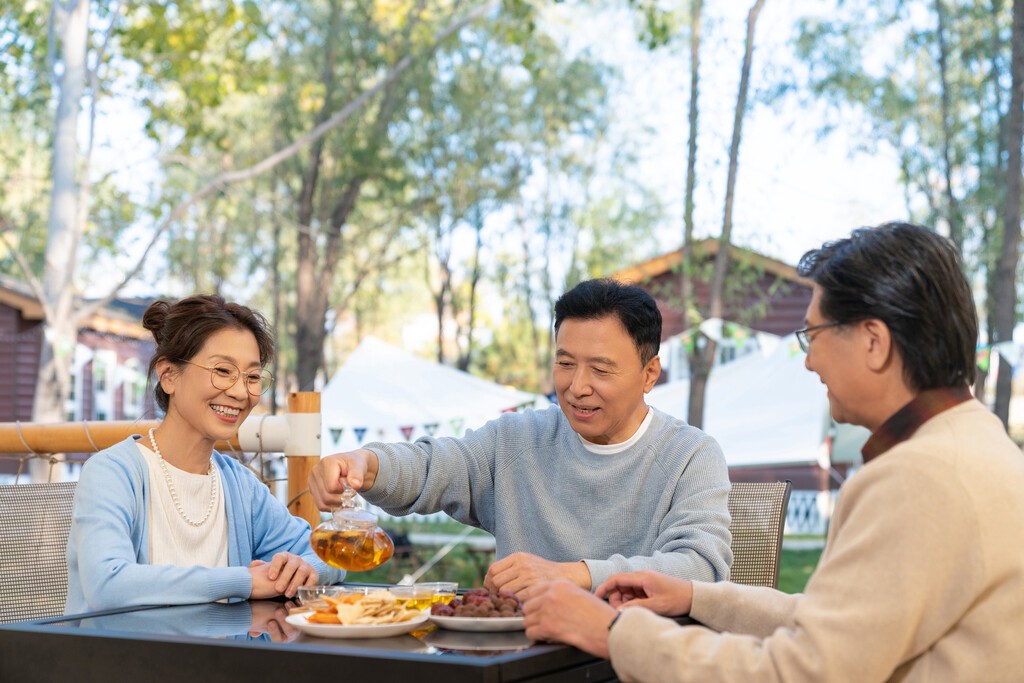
(613, 448)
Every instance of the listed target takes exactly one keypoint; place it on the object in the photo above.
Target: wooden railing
(296, 434)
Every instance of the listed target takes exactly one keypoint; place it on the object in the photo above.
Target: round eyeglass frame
(266, 379)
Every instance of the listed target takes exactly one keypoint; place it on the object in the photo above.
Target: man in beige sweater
(922, 577)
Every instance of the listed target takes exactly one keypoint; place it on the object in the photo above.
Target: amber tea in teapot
(351, 539)
(354, 551)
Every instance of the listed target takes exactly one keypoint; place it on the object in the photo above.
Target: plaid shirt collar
(907, 419)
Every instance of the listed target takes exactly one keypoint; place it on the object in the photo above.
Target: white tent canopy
(764, 409)
(383, 393)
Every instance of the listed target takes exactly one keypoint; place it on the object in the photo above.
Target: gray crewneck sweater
(526, 477)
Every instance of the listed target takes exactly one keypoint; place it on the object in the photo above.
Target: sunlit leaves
(881, 59)
(310, 98)
(657, 23)
(193, 55)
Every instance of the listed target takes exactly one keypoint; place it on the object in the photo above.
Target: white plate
(300, 621)
(479, 623)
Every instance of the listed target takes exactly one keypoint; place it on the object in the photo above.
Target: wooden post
(303, 452)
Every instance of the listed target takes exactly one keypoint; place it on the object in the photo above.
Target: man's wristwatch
(614, 619)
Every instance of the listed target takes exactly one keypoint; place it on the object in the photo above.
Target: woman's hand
(332, 474)
(281, 576)
(269, 617)
(664, 595)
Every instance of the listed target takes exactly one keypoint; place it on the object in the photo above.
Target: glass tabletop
(251, 639)
(267, 620)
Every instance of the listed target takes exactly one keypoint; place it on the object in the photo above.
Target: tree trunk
(687, 268)
(61, 329)
(716, 304)
(310, 315)
(698, 373)
(313, 287)
(952, 207)
(310, 312)
(543, 371)
(443, 292)
(701, 362)
(547, 286)
(466, 355)
(992, 229)
(1005, 290)
(990, 226)
(275, 289)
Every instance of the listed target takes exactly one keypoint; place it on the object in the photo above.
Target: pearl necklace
(174, 492)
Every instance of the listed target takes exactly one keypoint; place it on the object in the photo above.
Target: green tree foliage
(445, 148)
(27, 97)
(194, 57)
(228, 85)
(25, 123)
(499, 116)
(931, 80)
(490, 123)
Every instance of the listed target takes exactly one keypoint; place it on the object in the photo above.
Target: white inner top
(172, 540)
(613, 448)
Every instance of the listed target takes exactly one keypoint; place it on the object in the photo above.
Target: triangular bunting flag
(740, 335)
(689, 343)
(336, 434)
(456, 424)
(431, 428)
(984, 358)
(407, 431)
(360, 432)
(509, 410)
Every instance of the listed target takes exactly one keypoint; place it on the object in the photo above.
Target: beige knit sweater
(922, 579)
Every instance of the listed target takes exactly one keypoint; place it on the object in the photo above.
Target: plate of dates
(480, 610)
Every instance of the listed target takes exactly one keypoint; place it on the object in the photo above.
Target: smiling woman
(169, 520)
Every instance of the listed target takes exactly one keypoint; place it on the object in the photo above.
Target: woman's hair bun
(155, 317)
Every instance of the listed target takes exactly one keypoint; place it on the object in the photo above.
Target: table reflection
(477, 643)
(245, 620)
(231, 642)
(265, 620)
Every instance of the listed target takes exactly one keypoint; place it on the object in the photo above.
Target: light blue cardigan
(108, 547)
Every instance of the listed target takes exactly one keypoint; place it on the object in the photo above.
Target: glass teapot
(351, 539)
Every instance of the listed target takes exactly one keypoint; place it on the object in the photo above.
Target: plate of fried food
(480, 610)
(374, 615)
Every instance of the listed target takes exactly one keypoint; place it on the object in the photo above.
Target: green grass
(448, 526)
(795, 567)
(468, 568)
(460, 564)
(1017, 434)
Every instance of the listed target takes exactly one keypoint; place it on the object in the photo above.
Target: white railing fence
(809, 512)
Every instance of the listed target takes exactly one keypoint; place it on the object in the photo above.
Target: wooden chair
(758, 518)
(34, 523)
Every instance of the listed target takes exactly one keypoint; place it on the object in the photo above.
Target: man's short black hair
(912, 279)
(633, 306)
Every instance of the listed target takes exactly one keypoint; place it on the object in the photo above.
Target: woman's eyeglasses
(223, 375)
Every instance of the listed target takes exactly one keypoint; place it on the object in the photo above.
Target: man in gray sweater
(600, 485)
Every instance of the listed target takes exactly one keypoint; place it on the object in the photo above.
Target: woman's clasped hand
(281, 576)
